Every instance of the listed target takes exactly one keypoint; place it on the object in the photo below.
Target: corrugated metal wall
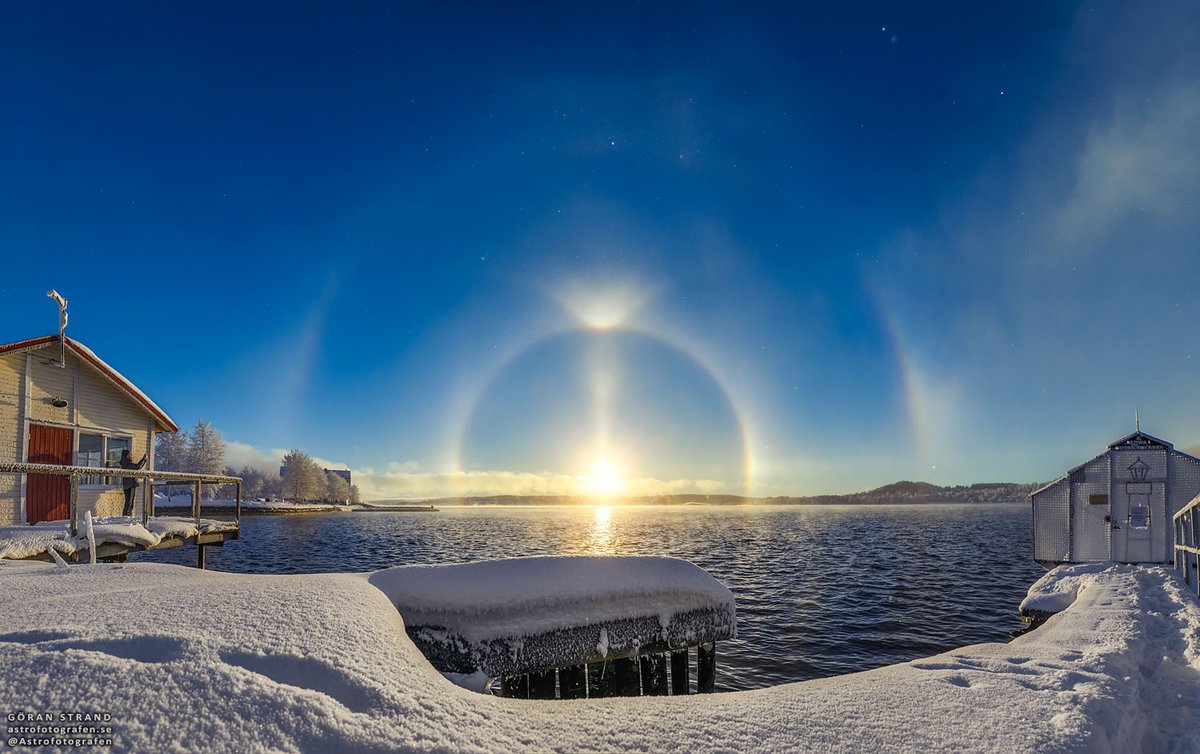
(1052, 522)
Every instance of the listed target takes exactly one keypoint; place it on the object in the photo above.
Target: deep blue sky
(850, 244)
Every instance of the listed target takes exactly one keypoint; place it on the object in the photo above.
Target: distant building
(78, 413)
(1116, 506)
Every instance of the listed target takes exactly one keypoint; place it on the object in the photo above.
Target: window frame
(103, 481)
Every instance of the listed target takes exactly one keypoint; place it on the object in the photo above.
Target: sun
(604, 481)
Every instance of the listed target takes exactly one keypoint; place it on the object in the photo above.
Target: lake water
(821, 590)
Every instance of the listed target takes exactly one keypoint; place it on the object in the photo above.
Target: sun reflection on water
(602, 535)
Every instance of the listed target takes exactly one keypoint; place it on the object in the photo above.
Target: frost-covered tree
(173, 452)
(354, 496)
(207, 452)
(303, 479)
(337, 489)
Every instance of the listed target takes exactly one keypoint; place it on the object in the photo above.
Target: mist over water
(821, 590)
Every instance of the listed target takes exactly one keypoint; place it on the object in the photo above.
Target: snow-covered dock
(524, 618)
(115, 536)
(190, 660)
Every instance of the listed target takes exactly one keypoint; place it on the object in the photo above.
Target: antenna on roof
(62, 326)
(1137, 421)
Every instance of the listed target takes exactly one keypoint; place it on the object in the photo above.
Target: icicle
(91, 535)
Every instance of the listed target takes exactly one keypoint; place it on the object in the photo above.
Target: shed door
(48, 496)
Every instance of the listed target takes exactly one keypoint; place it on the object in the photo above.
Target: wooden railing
(152, 478)
(1186, 524)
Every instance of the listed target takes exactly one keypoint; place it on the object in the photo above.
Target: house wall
(1052, 523)
(1090, 528)
(12, 436)
(94, 404)
(1183, 484)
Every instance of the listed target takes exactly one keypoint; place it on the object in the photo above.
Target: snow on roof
(249, 663)
(112, 375)
(514, 615)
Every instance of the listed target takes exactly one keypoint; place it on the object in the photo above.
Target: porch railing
(1186, 525)
(153, 478)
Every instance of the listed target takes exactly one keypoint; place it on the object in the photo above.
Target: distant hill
(889, 494)
(922, 492)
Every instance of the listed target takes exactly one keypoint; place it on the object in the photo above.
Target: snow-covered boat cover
(522, 614)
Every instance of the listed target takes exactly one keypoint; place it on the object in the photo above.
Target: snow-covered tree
(172, 451)
(337, 489)
(303, 479)
(207, 452)
(354, 497)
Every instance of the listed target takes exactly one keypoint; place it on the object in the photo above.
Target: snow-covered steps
(607, 625)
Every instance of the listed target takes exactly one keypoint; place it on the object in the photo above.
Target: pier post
(654, 674)
(600, 679)
(572, 682)
(542, 684)
(626, 678)
(706, 667)
(679, 673)
(200, 557)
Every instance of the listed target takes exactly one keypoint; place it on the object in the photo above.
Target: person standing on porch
(130, 483)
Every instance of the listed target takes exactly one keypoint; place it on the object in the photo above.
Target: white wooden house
(81, 412)
(1116, 506)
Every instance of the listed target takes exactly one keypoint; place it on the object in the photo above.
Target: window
(100, 451)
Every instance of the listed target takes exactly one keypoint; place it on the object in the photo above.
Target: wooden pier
(114, 551)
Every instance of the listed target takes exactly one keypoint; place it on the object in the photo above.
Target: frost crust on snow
(512, 616)
(241, 663)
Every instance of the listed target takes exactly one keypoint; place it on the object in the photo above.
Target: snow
(17, 542)
(193, 660)
(510, 616)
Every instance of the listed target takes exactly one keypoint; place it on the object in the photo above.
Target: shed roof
(164, 422)
(1128, 440)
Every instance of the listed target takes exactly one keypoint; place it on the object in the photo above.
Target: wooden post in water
(626, 678)
(200, 557)
(515, 686)
(706, 667)
(542, 684)
(679, 672)
(572, 682)
(654, 674)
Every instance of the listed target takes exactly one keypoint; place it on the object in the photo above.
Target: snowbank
(18, 542)
(192, 660)
(511, 616)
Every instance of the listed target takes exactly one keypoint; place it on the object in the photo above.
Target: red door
(48, 496)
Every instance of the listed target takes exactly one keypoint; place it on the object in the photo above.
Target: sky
(551, 248)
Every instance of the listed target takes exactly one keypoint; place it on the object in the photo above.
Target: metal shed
(1116, 506)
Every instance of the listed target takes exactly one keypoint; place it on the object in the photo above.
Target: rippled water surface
(821, 590)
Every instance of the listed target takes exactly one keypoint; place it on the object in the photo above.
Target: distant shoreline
(898, 493)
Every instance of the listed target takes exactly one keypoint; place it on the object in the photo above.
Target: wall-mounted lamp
(58, 403)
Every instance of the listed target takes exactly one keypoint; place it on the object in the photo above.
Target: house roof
(1115, 445)
(113, 376)
(1145, 438)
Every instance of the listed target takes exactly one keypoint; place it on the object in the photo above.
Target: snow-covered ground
(192, 660)
(250, 506)
(30, 541)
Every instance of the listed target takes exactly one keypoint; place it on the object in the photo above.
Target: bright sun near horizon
(604, 480)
